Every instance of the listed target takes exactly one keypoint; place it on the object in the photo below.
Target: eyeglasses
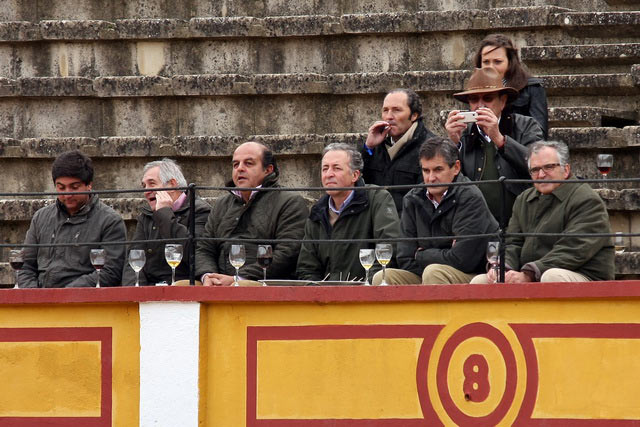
(546, 168)
(486, 98)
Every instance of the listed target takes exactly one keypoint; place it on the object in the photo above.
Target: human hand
(488, 122)
(163, 200)
(455, 126)
(378, 131)
(217, 279)
(513, 276)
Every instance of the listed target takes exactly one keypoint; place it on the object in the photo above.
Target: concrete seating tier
(585, 116)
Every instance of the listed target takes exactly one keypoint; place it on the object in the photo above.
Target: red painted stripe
(102, 334)
(272, 333)
(328, 294)
(527, 332)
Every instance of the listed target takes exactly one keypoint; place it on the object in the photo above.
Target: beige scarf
(393, 150)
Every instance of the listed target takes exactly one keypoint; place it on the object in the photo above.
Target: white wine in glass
(384, 251)
(98, 258)
(367, 258)
(237, 258)
(619, 243)
(137, 258)
(173, 255)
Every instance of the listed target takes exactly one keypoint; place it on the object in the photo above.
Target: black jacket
(532, 102)
(164, 224)
(462, 211)
(404, 169)
(510, 160)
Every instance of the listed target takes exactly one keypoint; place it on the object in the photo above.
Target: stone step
(618, 53)
(585, 116)
(424, 21)
(426, 82)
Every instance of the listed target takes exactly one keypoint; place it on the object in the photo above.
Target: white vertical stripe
(169, 353)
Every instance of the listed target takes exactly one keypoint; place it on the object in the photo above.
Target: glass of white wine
(384, 251)
(237, 259)
(137, 259)
(619, 242)
(98, 258)
(367, 258)
(173, 255)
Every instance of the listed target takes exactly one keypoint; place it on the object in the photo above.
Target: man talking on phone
(491, 145)
(390, 153)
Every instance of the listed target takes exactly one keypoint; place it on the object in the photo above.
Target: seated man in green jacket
(440, 211)
(566, 208)
(344, 214)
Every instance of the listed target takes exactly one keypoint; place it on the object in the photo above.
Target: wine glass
(265, 257)
(605, 163)
(137, 259)
(16, 260)
(383, 254)
(367, 258)
(618, 243)
(493, 257)
(173, 255)
(237, 259)
(98, 258)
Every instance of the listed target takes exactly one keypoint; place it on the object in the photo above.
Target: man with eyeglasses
(571, 210)
(492, 145)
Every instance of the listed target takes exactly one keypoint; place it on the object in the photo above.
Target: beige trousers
(433, 274)
(551, 275)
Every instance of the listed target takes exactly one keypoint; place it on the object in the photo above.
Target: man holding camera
(491, 145)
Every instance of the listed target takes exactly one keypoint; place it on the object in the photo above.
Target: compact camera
(469, 116)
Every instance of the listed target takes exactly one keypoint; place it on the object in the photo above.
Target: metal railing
(192, 190)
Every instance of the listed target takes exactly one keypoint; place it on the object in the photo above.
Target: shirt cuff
(369, 150)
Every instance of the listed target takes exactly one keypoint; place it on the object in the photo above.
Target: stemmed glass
(137, 259)
(98, 258)
(619, 243)
(173, 255)
(16, 260)
(493, 257)
(237, 259)
(367, 258)
(383, 254)
(605, 163)
(265, 257)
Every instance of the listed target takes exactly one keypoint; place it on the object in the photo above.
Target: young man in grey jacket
(73, 219)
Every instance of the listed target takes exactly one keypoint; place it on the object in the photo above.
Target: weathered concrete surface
(625, 53)
(585, 116)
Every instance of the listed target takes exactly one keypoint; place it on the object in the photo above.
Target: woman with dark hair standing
(499, 52)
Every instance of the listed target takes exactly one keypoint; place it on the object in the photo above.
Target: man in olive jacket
(566, 208)
(252, 215)
(73, 218)
(439, 211)
(390, 152)
(344, 214)
(165, 217)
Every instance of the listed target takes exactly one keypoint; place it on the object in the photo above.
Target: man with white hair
(571, 210)
(165, 217)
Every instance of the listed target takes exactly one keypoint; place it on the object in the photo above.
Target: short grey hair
(355, 158)
(167, 169)
(561, 148)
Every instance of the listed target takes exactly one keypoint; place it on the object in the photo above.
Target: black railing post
(191, 192)
(503, 226)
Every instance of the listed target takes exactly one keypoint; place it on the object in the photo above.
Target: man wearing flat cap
(492, 145)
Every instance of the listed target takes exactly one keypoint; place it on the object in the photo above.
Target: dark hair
(413, 100)
(516, 75)
(438, 146)
(73, 164)
(269, 159)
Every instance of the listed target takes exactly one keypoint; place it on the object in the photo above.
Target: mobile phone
(469, 116)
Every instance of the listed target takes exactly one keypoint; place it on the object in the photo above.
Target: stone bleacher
(135, 81)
